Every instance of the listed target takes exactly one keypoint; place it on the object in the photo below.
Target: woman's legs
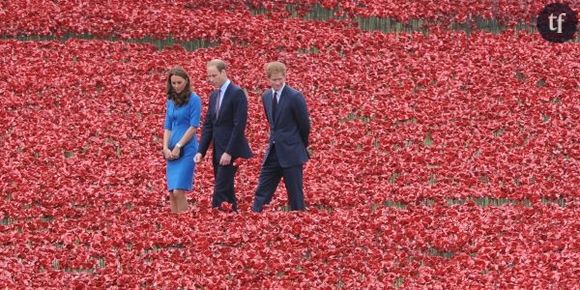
(180, 199)
(172, 202)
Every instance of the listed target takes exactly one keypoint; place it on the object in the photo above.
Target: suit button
(273, 142)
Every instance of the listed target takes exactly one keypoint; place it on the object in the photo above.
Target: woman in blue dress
(179, 138)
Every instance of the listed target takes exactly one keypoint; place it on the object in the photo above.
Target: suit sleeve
(264, 106)
(207, 131)
(240, 119)
(302, 117)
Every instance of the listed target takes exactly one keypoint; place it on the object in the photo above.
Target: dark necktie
(217, 102)
(274, 104)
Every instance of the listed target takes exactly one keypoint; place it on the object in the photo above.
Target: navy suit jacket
(227, 130)
(289, 133)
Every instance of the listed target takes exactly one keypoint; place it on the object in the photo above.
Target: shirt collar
(224, 87)
(279, 92)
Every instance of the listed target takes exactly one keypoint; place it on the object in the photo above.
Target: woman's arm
(166, 151)
(187, 136)
(167, 126)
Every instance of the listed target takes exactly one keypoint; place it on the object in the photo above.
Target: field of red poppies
(440, 159)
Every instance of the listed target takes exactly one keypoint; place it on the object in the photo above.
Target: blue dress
(180, 172)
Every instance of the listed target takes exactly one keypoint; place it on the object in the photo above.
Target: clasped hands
(171, 154)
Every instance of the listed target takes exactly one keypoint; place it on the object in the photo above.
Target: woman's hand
(167, 154)
(175, 152)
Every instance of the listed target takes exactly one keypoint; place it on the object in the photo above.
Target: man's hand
(198, 158)
(226, 159)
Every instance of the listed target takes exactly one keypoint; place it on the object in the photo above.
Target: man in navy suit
(224, 126)
(287, 115)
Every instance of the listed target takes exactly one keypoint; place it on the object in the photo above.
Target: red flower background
(417, 141)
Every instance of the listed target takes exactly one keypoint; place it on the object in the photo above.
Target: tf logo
(557, 22)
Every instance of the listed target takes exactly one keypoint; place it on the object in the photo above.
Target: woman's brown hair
(183, 97)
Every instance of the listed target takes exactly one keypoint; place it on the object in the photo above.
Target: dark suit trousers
(270, 176)
(224, 184)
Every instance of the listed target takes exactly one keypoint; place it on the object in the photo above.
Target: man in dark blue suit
(224, 126)
(287, 115)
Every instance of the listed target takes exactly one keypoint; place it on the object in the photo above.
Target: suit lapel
(224, 101)
(215, 98)
(268, 106)
(281, 104)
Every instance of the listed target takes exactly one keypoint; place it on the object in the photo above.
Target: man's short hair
(275, 67)
(218, 63)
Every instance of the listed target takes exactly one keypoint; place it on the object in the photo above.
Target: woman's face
(178, 83)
